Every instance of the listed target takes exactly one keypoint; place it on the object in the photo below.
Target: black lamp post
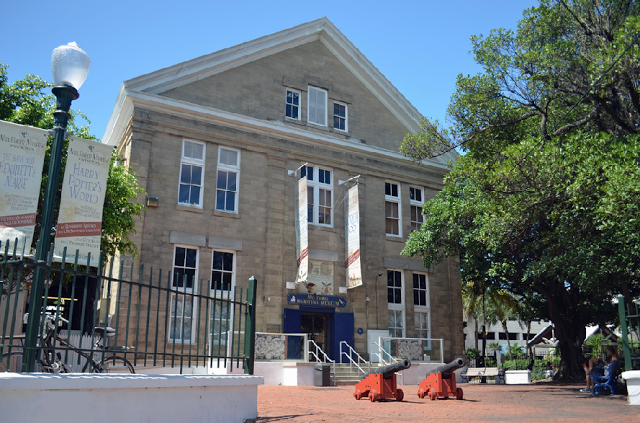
(69, 66)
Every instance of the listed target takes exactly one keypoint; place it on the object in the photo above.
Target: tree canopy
(544, 204)
(25, 102)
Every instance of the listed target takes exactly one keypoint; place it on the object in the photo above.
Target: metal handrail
(351, 361)
(380, 356)
(429, 340)
(325, 356)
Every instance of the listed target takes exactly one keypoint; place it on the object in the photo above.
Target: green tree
(545, 201)
(27, 103)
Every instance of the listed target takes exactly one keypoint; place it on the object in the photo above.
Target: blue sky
(420, 46)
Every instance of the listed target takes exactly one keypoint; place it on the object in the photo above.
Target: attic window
(293, 104)
(340, 116)
(317, 107)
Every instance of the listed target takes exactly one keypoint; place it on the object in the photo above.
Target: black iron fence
(158, 319)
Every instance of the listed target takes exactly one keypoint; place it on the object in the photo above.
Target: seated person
(609, 381)
(592, 367)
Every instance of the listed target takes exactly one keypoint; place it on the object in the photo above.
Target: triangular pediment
(321, 30)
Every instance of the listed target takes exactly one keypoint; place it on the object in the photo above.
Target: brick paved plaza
(541, 402)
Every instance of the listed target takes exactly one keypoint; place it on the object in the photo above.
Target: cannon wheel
(459, 393)
(432, 394)
(357, 394)
(399, 395)
(420, 393)
(373, 396)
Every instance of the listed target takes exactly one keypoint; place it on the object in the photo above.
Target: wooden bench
(473, 372)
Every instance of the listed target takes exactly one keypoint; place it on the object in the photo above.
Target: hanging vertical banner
(22, 150)
(352, 238)
(302, 231)
(82, 199)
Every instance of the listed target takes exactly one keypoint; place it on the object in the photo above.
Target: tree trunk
(484, 329)
(506, 332)
(569, 331)
(529, 349)
(475, 333)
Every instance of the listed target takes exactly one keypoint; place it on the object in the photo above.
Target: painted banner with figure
(22, 151)
(302, 231)
(352, 238)
(83, 190)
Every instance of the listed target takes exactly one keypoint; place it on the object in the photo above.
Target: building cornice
(130, 99)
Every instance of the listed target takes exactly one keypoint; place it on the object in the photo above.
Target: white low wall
(632, 378)
(128, 398)
(517, 377)
(287, 373)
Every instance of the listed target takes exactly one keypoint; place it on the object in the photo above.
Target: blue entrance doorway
(323, 325)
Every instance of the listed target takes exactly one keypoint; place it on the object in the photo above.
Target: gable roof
(152, 85)
(321, 29)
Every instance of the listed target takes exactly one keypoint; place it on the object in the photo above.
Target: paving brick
(539, 402)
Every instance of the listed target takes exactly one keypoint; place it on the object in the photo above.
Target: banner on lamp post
(83, 190)
(302, 232)
(352, 238)
(22, 151)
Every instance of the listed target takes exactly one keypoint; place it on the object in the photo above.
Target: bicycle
(51, 361)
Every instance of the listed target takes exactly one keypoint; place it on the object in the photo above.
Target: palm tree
(495, 304)
(475, 307)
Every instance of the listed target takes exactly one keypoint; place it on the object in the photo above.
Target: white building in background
(541, 330)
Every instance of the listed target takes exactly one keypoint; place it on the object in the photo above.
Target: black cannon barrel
(388, 371)
(449, 368)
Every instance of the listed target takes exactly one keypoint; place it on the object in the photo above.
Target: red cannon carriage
(381, 383)
(441, 382)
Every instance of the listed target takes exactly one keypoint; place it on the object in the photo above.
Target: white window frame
(176, 296)
(393, 199)
(393, 329)
(312, 109)
(219, 320)
(297, 106)
(418, 328)
(345, 117)
(416, 204)
(317, 190)
(228, 168)
(419, 289)
(419, 310)
(192, 161)
(397, 307)
(232, 285)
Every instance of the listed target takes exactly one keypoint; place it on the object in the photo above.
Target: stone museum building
(220, 142)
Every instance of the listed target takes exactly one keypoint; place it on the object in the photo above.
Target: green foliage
(516, 364)
(516, 349)
(544, 203)
(120, 209)
(494, 345)
(594, 345)
(26, 103)
(472, 353)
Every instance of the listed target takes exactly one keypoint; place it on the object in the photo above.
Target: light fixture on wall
(152, 201)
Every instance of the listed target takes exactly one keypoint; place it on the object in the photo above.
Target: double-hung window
(184, 285)
(191, 174)
(395, 300)
(222, 271)
(319, 194)
(392, 208)
(317, 106)
(416, 202)
(227, 180)
(421, 305)
(340, 117)
(292, 105)
(222, 284)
